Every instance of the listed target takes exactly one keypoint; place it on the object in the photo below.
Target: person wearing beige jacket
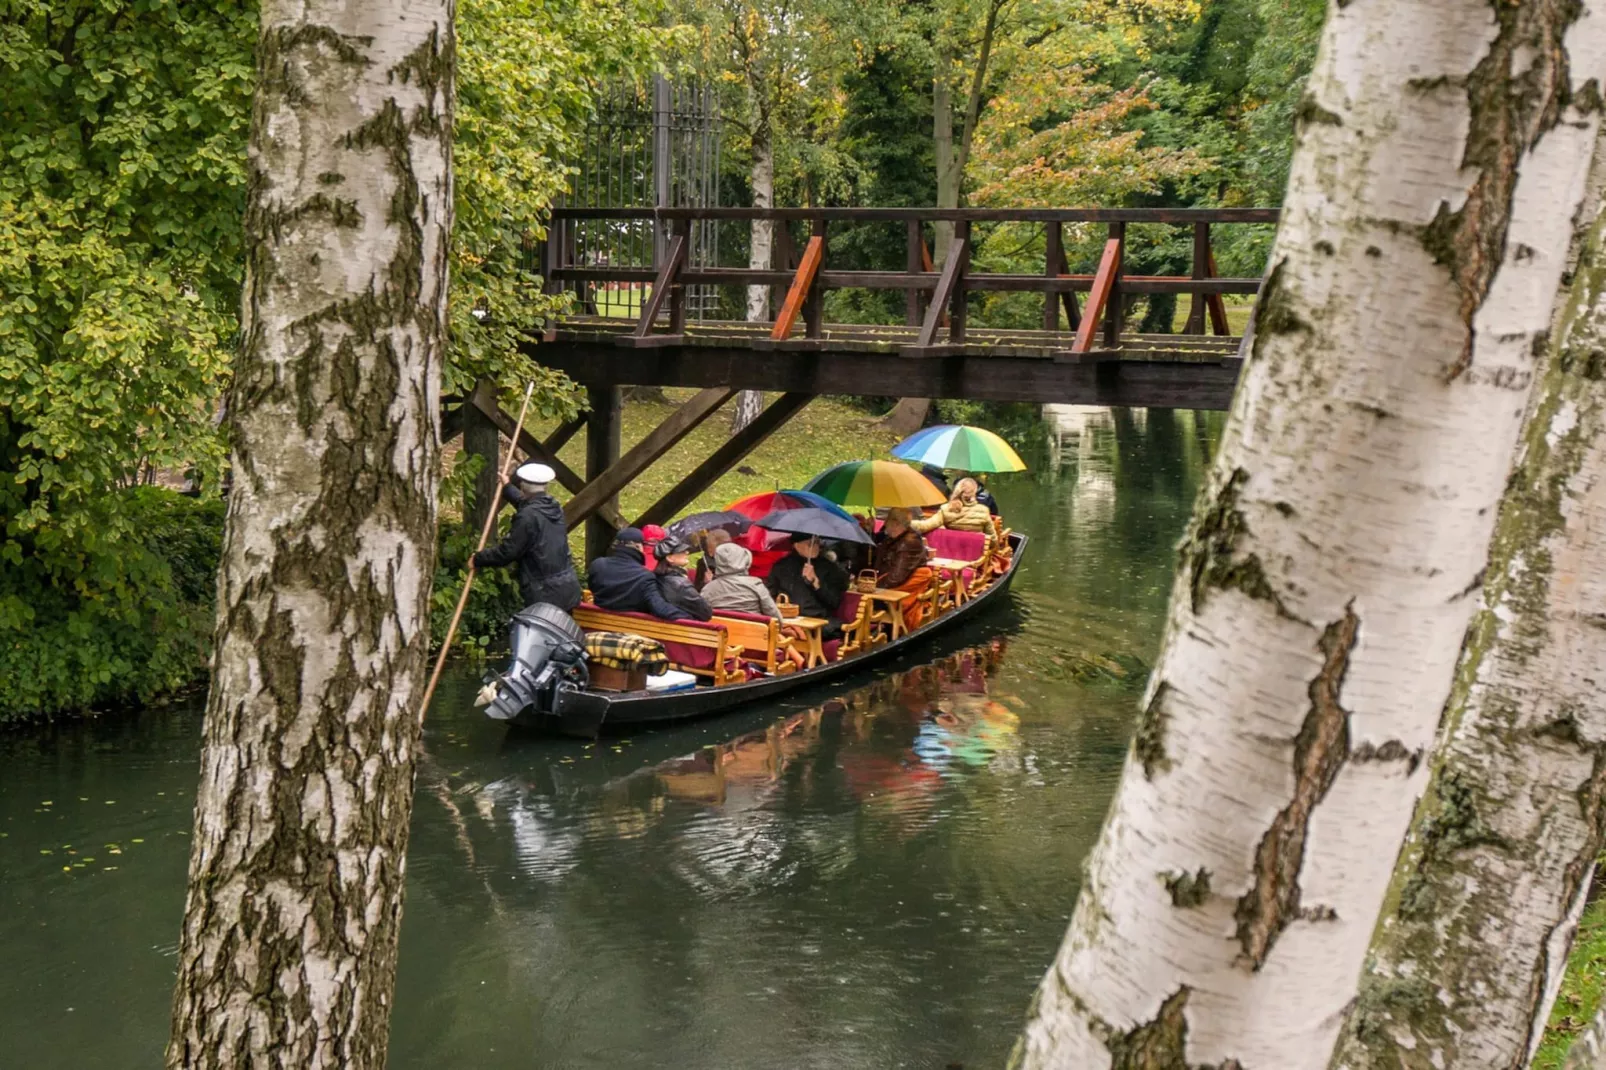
(962, 512)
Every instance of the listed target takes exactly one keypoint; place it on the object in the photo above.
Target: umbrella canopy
(873, 484)
(959, 446)
(826, 523)
(757, 505)
(688, 526)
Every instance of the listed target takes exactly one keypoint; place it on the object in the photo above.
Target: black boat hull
(587, 714)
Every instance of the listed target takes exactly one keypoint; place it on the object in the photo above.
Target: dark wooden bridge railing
(936, 301)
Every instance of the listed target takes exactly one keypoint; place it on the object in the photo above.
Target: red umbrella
(774, 501)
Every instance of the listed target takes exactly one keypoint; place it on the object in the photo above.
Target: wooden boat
(589, 712)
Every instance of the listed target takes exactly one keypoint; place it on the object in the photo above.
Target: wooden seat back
(680, 639)
(760, 638)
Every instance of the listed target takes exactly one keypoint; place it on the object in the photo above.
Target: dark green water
(869, 878)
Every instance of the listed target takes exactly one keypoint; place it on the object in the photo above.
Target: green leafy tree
(122, 187)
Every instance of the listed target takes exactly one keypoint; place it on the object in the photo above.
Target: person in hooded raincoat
(733, 588)
(537, 542)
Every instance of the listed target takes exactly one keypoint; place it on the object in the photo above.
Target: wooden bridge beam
(1158, 377)
(604, 485)
(802, 285)
(1098, 297)
(484, 399)
(722, 460)
(602, 452)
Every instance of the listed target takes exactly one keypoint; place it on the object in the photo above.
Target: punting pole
(485, 536)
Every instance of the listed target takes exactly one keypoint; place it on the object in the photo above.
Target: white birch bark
(1473, 938)
(761, 254)
(288, 949)
(1335, 556)
(1588, 1051)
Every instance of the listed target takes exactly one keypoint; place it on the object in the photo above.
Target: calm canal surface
(868, 877)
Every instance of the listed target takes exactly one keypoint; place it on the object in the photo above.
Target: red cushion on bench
(698, 657)
(736, 614)
(957, 545)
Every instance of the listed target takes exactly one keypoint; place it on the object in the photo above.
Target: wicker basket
(866, 583)
(787, 607)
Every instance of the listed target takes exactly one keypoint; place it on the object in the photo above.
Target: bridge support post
(1115, 305)
(602, 452)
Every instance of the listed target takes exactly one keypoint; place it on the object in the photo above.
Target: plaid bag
(621, 650)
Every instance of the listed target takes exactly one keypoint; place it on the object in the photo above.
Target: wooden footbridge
(1080, 353)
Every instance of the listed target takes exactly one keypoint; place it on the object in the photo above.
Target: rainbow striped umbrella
(874, 484)
(961, 447)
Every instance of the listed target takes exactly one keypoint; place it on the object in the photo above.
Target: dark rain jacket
(538, 543)
(678, 590)
(786, 577)
(622, 583)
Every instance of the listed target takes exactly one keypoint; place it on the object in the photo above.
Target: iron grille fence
(651, 146)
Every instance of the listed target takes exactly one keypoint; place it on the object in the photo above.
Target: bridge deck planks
(1174, 371)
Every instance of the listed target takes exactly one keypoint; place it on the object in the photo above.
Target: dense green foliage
(123, 126)
(121, 636)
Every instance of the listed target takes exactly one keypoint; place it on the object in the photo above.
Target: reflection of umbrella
(958, 446)
(756, 505)
(873, 484)
(827, 525)
(688, 526)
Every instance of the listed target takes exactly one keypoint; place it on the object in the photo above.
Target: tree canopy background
(122, 136)
(122, 148)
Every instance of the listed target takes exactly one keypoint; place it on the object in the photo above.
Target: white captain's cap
(534, 473)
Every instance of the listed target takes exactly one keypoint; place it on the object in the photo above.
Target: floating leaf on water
(47, 802)
(46, 851)
(138, 840)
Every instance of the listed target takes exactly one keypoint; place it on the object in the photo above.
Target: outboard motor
(548, 657)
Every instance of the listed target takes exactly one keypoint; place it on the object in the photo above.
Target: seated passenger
(811, 580)
(899, 559)
(674, 553)
(621, 582)
(962, 512)
(985, 496)
(711, 541)
(733, 588)
(652, 534)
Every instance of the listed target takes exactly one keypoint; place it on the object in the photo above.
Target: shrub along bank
(133, 624)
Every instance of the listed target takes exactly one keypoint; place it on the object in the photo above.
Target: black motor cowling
(548, 657)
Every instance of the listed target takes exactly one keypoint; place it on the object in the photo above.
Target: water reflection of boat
(586, 713)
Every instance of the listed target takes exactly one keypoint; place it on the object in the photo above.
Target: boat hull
(588, 714)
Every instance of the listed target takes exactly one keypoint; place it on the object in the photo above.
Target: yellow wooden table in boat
(954, 572)
(886, 607)
(812, 631)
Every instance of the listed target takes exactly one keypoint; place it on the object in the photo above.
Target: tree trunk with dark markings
(1335, 556)
(288, 952)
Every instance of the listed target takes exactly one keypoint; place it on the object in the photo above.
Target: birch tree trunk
(1335, 555)
(1588, 1051)
(288, 951)
(761, 251)
(1473, 938)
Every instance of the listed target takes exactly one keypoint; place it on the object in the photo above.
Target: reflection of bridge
(1078, 352)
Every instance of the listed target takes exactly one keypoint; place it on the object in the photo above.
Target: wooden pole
(485, 536)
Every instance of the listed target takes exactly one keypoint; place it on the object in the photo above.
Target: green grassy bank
(1581, 988)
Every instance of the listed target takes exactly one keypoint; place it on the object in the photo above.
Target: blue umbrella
(826, 524)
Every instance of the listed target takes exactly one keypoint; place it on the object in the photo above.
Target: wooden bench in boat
(763, 643)
(702, 649)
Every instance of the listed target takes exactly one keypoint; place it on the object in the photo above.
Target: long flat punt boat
(589, 712)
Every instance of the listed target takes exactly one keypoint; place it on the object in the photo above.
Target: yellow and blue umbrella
(961, 447)
(875, 484)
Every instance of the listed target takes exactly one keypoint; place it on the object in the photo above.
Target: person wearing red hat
(653, 534)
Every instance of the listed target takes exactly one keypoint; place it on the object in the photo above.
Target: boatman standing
(538, 542)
